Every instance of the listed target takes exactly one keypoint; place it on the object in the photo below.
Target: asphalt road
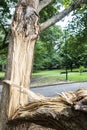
(50, 91)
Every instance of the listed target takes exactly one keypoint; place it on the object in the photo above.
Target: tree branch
(61, 15)
(32, 95)
(54, 19)
(58, 113)
(43, 4)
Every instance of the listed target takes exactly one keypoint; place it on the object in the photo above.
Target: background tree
(7, 9)
(46, 55)
(6, 13)
(24, 32)
(76, 41)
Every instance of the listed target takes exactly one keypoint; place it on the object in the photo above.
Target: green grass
(58, 76)
(49, 77)
(78, 77)
(2, 75)
(47, 72)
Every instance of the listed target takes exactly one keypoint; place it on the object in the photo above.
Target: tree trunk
(65, 112)
(54, 113)
(71, 68)
(23, 35)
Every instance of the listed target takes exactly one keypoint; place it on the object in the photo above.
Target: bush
(81, 69)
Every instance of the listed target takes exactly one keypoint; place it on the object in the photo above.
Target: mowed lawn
(60, 75)
(2, 75)
(55, 76)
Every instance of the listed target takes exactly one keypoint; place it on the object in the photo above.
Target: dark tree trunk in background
(71, 67)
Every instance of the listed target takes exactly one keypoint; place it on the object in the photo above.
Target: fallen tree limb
(58, 113)
(31, 95)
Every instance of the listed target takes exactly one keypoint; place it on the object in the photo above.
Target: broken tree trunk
(65, 112)
(23, 35)
(58, 113)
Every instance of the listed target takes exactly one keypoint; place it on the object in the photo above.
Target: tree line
(56, 47)
(20, 106)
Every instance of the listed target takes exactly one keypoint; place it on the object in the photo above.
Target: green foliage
(74, 51)
(3, 59)
(50, 50)
(81, 69)
(76, 41)
(67, 3)
(46, 55)
(6, 13)
(51, 10)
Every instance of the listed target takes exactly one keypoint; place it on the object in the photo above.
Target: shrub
(81, 69)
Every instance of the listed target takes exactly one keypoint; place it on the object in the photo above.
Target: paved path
(51, 91)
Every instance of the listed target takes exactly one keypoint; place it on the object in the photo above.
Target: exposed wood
(58, 113)
(43, 4)
(31, 95)
(23, 35)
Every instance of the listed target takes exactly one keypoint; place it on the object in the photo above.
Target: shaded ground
(45, 80)
(42, 80)
(1, 81)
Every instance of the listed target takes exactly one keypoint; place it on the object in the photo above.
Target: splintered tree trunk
(23, 35)
(65, 112)
(57, 113)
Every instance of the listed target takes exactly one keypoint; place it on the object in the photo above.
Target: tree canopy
(76, 40)
(24, 32)
(48, 40)
(46, 55)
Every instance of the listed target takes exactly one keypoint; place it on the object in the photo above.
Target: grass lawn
(2, 75)
(55, 76)
(48, 77)
(47, 72)
(78, 76)
(58, 75)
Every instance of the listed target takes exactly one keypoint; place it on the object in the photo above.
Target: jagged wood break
(58, 113)
(23, 35)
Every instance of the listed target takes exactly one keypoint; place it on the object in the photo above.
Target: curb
(56, 84)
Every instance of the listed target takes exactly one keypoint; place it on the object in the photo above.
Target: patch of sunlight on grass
(2, 74)
(47, 72)
(78, 77)
(57, 75)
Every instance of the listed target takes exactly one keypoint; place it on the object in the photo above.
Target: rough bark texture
(58, 113)
(43, 4)
(24, 33)
(55, 113)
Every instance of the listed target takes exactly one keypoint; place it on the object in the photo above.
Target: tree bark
(23, 35)
(59, 16)
(65, 112)
(43, 4)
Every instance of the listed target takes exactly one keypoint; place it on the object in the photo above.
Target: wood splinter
(32, 95)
